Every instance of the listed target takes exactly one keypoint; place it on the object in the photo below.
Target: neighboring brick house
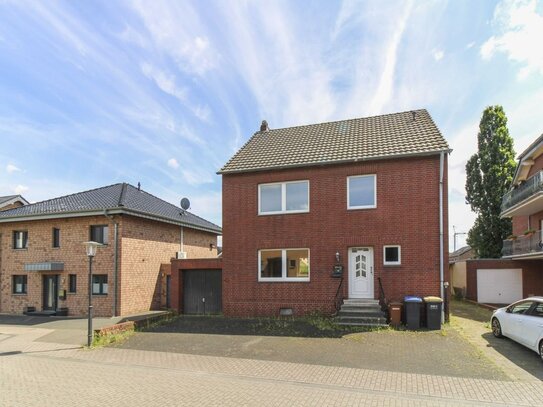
(12, 201)
(43, 263)
(361, 195)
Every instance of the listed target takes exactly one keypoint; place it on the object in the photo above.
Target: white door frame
(353, 293)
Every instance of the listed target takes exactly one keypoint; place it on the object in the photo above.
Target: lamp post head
(91, 248)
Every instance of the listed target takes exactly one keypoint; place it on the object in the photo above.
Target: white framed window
(283, 265)
(392, 255)
(362, 192)
(283, 197)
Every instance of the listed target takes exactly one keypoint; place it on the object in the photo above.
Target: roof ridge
(171, 204)
(344, 120)
(75, 193)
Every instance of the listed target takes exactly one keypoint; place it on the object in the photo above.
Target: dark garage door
(202, 291)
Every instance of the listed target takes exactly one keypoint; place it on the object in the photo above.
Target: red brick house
(348, 210)
(43, 264)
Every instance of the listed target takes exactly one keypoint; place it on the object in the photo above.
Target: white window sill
(352, 208)
(283, 280)
(281, 213)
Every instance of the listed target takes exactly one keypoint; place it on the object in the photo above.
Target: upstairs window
(56, 237)
(283, 197)
(20, 239)
(99, 233)
(361, 192)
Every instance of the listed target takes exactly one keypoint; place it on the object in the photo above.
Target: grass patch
(111, 338)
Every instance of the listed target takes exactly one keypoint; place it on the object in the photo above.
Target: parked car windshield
(521, 307)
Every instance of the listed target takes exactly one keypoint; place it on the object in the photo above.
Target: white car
(522, 322)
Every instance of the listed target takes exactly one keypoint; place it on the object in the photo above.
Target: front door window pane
(270, 198)
(297, 196)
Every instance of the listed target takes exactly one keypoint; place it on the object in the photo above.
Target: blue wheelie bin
(413, 305)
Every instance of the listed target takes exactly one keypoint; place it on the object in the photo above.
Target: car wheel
(541, 349)
(496, 328)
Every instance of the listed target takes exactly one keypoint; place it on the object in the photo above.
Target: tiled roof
(7, 198)
(390, 135)
(123, 198)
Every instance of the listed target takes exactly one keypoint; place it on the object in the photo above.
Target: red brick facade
(407, 214)
(143, 245)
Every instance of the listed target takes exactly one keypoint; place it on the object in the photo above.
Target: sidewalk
(53, 374)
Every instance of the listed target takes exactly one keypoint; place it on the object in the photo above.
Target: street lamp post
(91, 252)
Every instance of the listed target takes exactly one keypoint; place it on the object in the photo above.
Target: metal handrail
(529, 243)
(382, 298)
(521, 192)
(339, 296)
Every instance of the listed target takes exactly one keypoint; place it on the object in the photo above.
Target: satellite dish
(185, 204)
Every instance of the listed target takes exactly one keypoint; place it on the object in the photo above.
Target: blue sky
(94, 93)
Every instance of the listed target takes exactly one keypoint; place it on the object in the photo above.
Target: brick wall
(407, 214)
(146, 245)
(73, 232)
(532, 277)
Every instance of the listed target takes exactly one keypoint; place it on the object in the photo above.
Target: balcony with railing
(529, 245)
(525, 199)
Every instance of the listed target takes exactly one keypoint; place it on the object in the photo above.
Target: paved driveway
(432, 352)
(518, 361)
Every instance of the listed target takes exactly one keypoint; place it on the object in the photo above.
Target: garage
(202, 292)
(499, 286)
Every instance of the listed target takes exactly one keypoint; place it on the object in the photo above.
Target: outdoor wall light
(338, 257)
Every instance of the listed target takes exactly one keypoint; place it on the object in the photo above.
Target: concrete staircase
(361, 312)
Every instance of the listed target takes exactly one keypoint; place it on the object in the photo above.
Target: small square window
(99, 234)
(72, 288)
(392, 255)
(20, 239)
(19, 284)
(56, 237)
(99, 284)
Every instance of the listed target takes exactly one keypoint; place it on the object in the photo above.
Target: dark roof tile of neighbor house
(117, 198)
(369, 138)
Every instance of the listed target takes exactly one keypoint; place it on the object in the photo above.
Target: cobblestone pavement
(36, 373)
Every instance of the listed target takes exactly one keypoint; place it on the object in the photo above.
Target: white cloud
(196, 177)
(172, 163)
(470, 45)
(165, 81)
(438, 54)
(10, 168)
(521, 31)
(20, 189)
(386, 81)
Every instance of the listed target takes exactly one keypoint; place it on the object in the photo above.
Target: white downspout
(441, 257)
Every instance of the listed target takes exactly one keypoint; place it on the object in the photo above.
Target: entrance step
(41, 313)
(361, 312)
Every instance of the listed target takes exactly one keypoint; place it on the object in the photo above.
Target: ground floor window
(99, 284)
(19, 284)
(283, 265)
(392, 255)
(72, 286)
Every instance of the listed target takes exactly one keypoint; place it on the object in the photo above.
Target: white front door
(361, 272)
